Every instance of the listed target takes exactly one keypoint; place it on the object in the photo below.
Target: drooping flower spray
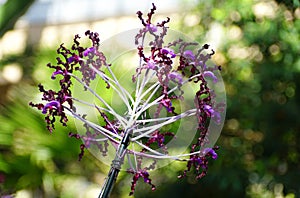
(174, 104)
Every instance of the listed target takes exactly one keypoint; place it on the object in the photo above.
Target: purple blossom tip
(209, 74)
(89, 50)
(169, 52)
(209, 109)
(214, 114)
(211, 152)
(140, 174)
(168, 104)
(151, 64)
(53, 76)
(189, 54)
(151, 28)
(50, 105)
(176, 77)
(217, 117)
(73, 59)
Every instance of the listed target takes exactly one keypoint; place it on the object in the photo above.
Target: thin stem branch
(96, 127)
(156, 101)
(130, 162)
(153, 128)
(164, 156)
(124, 91)
(187, 113)
(98, 108)
(148, 148)
(119, 85)
(112, 111)
(141, 110)
(139, 67)
(155, 85)
(120, 93)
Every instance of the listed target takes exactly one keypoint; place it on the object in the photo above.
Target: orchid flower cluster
(165, 77)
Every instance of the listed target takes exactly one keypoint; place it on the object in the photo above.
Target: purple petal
(209, 109)
(211, 151)
(214, 114)
(151, 64)
(175, 76)
(173, 55)
(168, 104)
(209, 74)
(168, 51)
(151, 27)
(51, 104)
(53, 76)
(217, 117)
(88, 50)
(165, 50)
(189, 54)
(73, 58)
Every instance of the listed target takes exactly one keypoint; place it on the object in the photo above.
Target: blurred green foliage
(259, 156)
(10, 12)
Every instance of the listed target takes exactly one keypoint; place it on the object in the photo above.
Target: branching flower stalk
(161, 81)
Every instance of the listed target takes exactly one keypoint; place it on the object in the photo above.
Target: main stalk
(115, 166)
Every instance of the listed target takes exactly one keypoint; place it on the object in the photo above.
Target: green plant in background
(10, 12)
